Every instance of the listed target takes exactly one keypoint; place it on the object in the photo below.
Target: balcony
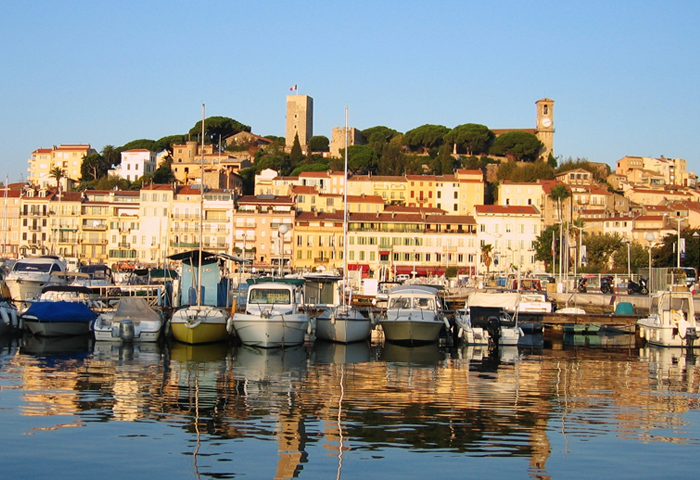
(95, 227)
(184, 245)
(321, 260)
(124, 245)
(93, 242)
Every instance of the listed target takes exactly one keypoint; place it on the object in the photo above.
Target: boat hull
(194, 325)
(108, 331)
(663, 335)
(272, 332)
(343, 326)
(412, 331)
(52, 319)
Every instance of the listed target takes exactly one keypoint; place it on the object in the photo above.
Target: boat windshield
(33, 267)
(405, 302)
(269, 296)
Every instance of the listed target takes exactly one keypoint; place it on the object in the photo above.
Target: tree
(471, 138)
(113, 156)
(425, 137)
(529, 172)
(543, 245)
(296, 156)
(519, 145)
(93, 167)
(164, 173)
(558, 194)
(57, 173)
(166, 143)
(486, 255)
(599, 250)
(319, 143)
(217, 127)
(361, 158)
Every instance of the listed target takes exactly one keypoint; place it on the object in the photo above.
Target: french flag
(293, 89)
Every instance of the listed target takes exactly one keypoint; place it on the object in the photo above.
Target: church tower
(545, 126)
(300, 119)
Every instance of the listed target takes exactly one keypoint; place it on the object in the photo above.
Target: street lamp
(281, 231)
(679, 220)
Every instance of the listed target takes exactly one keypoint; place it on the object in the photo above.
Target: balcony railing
(184, 245)
(95, 226)
(321, 260)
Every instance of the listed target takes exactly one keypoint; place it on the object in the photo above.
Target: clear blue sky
(624, 75)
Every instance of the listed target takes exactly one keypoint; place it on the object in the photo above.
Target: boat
(202, 318)
(414, 315)
(671, 321)
(97, 275)
(274, 314)
(134, 320)
(9, 318)
(489, 319)
(60, 310)
(30, 275)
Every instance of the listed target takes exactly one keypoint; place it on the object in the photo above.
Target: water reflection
(334, 407)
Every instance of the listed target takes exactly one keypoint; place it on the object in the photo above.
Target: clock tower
(545, 126)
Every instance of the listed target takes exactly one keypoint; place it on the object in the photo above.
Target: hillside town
(410, 225)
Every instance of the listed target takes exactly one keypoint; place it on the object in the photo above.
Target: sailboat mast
(201, 215)
(345, 212)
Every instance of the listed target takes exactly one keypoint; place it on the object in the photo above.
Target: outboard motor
(493, 326)
(127, 331)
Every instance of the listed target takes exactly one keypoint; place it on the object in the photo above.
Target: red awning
(420, 271)
(358, 266)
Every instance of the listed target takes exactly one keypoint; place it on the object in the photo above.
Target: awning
(358, 266)
(420, 271)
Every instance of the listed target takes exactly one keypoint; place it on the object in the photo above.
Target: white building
(135, 164)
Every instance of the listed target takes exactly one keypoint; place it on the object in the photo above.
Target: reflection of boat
(57, 346)
(133, 321)
(671, 320)
(147, 352)
(60, 310)
(263, 363)
(274, 315)
(601, 339)
(333, 352)
(182, 353)
(414, 315)
(30, 275)
(489, 318)
(427, 354)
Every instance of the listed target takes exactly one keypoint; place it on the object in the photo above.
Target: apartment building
(68, 158)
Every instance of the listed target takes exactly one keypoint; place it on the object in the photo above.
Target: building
(135, 164)
(337, 142)
(68, 158)
(300, 119)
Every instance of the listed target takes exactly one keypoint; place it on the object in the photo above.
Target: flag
(554, 244)
(293, 88)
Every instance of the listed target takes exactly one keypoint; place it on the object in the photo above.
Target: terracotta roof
(506, 210)
(314, 174)
(309, 216)
(265, 199)
(300, 189)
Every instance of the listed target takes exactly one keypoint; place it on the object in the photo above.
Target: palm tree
(486, 255)
(57, 173)
(559, 192)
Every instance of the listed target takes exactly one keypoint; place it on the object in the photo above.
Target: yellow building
(68, 158)
(318, 241)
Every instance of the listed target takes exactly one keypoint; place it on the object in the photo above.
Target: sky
(624, 76)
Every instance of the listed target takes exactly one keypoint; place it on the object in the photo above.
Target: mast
(5, 219)
(201, 216)
(345, 212)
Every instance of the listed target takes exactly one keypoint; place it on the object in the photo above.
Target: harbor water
(592, 407)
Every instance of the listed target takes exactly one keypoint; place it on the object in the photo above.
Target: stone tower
(545, 125)
(300, 119)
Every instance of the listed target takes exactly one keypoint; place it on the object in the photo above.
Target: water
(595, 408)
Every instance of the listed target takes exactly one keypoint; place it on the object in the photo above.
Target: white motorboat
(60, 310)
(134, 320)
(414, 315)
(97, 275)
(489, 319)
(671, 321)
(274, 314)
(30, 275)
(534, 302)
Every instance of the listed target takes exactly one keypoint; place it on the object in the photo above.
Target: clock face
(546, 122)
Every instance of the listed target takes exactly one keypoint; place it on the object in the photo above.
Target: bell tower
(545, 126)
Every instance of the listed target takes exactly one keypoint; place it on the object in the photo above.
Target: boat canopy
(136, 309)
(505, 301)
(298, 282)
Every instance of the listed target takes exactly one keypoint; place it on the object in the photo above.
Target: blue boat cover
(61, 311)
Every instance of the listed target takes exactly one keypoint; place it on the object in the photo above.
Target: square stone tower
(300, 119)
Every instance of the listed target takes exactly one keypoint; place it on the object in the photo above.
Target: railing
(100, 226)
